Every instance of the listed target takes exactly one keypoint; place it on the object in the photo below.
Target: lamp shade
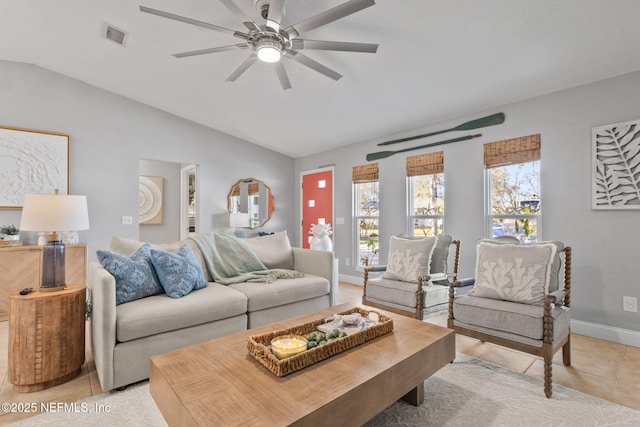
(239, 220)
(46, 212)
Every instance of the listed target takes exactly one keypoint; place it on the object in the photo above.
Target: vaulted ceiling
(437, 60)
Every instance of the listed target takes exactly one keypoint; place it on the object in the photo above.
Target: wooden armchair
(519, 300)
(419, 295)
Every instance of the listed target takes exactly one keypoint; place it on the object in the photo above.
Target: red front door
(317, 201)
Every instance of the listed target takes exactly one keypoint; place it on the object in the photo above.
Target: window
(513, 187)
(425, 183)
(366, 209)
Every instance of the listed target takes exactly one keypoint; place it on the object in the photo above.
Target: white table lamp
(54, 213)
(239, 221)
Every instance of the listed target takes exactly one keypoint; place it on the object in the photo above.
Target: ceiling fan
(270, 42)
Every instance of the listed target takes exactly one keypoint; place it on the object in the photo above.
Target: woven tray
(259, 346)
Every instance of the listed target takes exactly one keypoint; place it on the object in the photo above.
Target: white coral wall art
(31, 162)
(615, 159)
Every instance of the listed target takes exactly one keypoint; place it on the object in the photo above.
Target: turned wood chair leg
(547, 376)
(566, 352)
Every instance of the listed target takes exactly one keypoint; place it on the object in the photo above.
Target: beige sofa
(124, 337)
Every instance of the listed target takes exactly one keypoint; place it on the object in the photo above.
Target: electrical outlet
(127, 220)
(630, 304)
(346, 262)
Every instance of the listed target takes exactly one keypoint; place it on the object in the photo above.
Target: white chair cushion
(391, 292)
(510, 317)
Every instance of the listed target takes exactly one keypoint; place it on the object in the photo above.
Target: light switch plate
(630, 304)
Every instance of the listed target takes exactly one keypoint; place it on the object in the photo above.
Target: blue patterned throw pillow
(179, 272)
(134, 274)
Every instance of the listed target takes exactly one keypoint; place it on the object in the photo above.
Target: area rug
(468, 392)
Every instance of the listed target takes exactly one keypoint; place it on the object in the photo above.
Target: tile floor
(601, 368)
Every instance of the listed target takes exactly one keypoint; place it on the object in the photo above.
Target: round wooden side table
(46, 337)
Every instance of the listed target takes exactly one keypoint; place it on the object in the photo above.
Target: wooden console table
(21, 267)
(46, 337)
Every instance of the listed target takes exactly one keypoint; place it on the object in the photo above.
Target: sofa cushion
(519, 273)
(179, 272)
(274, 250)
(283, 291)
(160, 313)
(134, 275)
(409, 258)
(405, 293)
(510, 317)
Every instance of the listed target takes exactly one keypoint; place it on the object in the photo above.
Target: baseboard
(354, 280)
(604, 332)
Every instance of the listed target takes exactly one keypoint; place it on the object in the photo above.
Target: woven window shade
(254, 188)
(365, 173)
(512, 151)
(425, 164)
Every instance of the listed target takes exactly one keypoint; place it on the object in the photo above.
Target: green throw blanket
(228, 260)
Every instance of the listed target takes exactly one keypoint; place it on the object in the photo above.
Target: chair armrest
(318, 263)
(462, 283)
(376, 268)
(556, 296)
(102, 287)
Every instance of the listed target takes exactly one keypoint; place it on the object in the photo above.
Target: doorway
(189, 199)
(317, 201)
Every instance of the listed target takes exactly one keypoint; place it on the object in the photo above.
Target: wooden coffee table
(219, 383)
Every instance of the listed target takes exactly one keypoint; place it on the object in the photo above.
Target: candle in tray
(288, 345)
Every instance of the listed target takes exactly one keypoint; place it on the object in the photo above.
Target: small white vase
(321, 244)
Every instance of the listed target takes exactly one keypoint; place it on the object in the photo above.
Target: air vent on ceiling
(115, 34)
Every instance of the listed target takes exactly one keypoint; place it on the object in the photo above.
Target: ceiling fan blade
(340, 46)
(274, 18)
(242, 68)
(192, 21)
(282, 76)
(240, 14)
(328, 16)
(210, 50)
(314, 65)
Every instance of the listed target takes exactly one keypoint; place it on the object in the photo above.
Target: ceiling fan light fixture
(268, 51)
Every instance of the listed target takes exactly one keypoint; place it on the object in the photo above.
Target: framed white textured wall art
(615, 155)
(32, 162)
(150, 200)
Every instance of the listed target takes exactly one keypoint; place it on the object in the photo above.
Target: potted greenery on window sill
(9, 232)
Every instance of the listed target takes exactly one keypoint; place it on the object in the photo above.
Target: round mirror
(253, 198)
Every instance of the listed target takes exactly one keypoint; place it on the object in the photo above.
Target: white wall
(605, 243)
(110, 134)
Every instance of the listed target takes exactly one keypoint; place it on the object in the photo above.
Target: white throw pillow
(123, 246)
(518, 273)
(274, 250)
(409, 258)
